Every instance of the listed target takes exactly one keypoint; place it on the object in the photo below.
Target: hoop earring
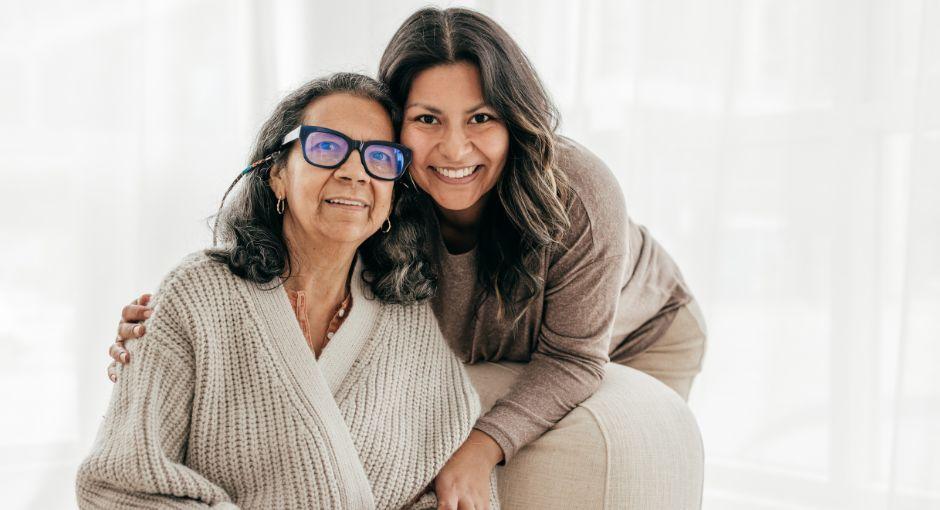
(387, 227)
(413, 185)
(280, 205)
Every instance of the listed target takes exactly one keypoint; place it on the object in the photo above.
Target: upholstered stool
(632, 445)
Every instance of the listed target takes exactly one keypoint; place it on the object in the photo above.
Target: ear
(277, 179)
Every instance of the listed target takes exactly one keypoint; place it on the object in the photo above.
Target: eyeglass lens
(327, 149)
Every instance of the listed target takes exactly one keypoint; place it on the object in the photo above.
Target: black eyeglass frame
(302, 132)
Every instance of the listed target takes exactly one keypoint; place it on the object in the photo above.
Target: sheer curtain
(785, 152)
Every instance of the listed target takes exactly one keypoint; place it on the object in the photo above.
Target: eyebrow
(438, 111)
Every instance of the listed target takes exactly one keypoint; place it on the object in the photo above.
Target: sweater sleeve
(137, 458)
(583, 282)
(567, 367)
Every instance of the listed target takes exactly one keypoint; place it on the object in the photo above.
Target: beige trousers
(634, 444)
(676, 358)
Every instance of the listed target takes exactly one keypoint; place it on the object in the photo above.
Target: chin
(349, 235)
(456, 203)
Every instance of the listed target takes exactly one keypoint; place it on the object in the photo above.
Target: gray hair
(248, 231)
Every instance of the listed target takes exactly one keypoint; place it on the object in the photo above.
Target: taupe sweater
(610, 291)
(225, 405)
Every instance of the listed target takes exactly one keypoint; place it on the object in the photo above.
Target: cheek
(382, 201)
(496, 145)
(418, 142)
(306, 188)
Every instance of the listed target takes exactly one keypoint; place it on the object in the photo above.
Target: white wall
(786, 152)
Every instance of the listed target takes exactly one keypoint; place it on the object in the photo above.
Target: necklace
(338, 317)
(298, 301)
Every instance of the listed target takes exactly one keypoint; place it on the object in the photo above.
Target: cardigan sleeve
(137, 457)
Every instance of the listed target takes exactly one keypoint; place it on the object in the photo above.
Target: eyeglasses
(326, 148)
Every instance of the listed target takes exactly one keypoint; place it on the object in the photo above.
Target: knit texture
(225, 406)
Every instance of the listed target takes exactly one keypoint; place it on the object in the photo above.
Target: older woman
(280, 370)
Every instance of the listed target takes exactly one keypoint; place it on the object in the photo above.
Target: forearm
(487, 447)
(547, 390)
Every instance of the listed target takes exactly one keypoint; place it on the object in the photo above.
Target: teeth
(345, 202)
(455, 173)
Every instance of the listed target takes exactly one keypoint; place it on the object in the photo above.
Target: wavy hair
(248, 233)
(530, 215)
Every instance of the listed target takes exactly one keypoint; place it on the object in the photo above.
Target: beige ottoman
(633, 445)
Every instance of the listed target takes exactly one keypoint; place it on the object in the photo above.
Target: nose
(455, 145)
(352, 170)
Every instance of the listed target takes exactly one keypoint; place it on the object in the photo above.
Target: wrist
(486, 445)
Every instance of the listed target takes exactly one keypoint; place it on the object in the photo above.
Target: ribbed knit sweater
(225, 406)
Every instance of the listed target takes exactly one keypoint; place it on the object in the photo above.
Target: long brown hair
(517, 230)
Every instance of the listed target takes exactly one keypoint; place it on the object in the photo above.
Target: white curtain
(785, 152)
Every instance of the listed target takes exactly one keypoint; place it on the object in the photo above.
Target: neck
(460, 228)
(320, 269)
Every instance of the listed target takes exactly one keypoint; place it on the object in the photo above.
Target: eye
(380, 156)
(327, 146)
(480, 118)
(427, 119)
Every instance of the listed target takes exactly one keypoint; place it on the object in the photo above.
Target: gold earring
(280, 205)
(387, 226)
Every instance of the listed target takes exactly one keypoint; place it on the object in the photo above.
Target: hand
(464, 481)
(129, 328)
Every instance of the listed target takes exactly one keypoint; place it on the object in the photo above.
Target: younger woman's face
(459, 144)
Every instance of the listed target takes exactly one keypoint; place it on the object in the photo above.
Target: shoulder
(414, 328)
(197, 269)
(183, 299)
(196, 291)
(197, 281)
(408, 319)
(587, 173)
(596, 204)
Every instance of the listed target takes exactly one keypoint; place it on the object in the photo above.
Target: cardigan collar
(343, 349)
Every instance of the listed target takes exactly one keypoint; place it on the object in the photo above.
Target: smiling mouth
(457, 173)
(347, 202)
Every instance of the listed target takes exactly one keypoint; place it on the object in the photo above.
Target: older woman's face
(311, 192)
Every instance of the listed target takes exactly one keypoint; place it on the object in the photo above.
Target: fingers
(118, 353)
(136, 312)
(133, 314)
(112, 371)
(130, 331)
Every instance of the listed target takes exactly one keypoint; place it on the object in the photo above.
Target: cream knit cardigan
(225, 406)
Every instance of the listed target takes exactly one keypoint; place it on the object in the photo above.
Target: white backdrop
(786, 152)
